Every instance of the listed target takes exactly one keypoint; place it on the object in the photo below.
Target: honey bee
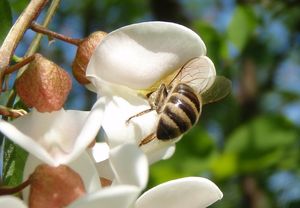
(178, 99)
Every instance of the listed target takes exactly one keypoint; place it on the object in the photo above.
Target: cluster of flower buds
(45, 86)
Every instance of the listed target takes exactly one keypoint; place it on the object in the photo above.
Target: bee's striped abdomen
(180, 113)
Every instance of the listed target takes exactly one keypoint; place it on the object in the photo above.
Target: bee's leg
(148, 139)
(155, 99)
(158, 97)
(139, 114)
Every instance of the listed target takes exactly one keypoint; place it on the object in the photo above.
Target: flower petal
(83, 165)
(25, 142)
(88, 130)
(57, 137)
(104, 170)
(192, 192)
(162, 153)
(121, 107)
(112, 197)
(11, 202)
(130, 165)
(100, 151)
(138, 55)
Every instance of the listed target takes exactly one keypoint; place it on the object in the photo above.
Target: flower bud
(84, 52)
(44, 85)
(54, 187)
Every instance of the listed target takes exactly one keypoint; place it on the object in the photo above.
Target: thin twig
(34, 45)
(13, 68)
(40, 29)
(16, 189)
(10, 69)
(13, 113)
(16, 32)
(36, 41)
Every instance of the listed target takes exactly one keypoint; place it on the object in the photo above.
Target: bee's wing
(199, 73)
(218, 90)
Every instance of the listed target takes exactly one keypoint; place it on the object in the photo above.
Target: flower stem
(16, 189)
(18, 29)
(10, 69)
(34, 45)
(36, 41)
(13, 113)
(40, 29)
(23, 62)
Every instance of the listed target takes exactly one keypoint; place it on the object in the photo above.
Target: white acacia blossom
(57, 137)
(194, 192)
(134, 58)
(127, 60)
(129, 168)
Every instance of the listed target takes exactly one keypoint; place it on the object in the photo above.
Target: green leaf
(262, 142)
(263, 133)
(19, 6)
(5, 19)
(224, 166)
(13, 163)
(211, 38)
(242, 26)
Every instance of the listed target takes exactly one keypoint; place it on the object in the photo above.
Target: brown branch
(13, 68)
(10, 69)
(40, 29)
(16, 189)
(18, 29)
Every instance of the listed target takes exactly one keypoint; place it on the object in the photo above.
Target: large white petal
(57, 137)
(138, 55)
(192, 192)
(130, 165)
(11, 202)
(121, 196)
(83, 165)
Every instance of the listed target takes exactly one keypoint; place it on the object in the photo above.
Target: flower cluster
(112, 173)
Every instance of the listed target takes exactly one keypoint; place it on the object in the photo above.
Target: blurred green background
(248, 144)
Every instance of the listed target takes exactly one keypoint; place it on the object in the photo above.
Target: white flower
(12, 202)
(83, 165)
(57, 137)
(134, 58)
(129, 168)
(129, 172)
(129, 175)
(192, 192)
